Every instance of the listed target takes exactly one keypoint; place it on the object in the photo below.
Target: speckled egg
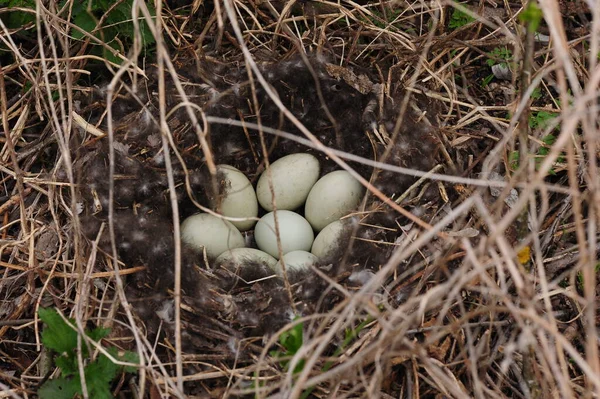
(294, 231)
(335, 195)
(216, 235)
(328, 240)
(293, 176)
(239, 199)
(296, 261)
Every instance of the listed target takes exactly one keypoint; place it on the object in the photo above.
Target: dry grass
(490, 289)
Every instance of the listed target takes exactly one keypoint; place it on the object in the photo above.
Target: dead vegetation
(472, 267)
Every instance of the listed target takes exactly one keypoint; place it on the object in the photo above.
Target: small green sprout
(536, 94)
(487, 80)
(500, 55)
(458, 19)
(580, 279)
(291, 341)
(531, 16)
(539, 121)
(61, 337)
(117, 27)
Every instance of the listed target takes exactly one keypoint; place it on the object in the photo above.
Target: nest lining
(338, 111)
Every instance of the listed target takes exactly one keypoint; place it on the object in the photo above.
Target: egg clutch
(282, 189)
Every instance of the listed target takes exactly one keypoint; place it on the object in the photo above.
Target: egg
(328, 240)
(239, 199)
(293, 176)
(240, 256)
(335, 195)
(214, 234)
(296, 261)
(294, 231)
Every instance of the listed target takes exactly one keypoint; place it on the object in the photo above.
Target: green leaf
(58, 335)
(458, 19)
(59, 388)
(21, 3)
(109, 54)
(99, 391)
(486, 81)
(120, 16)
(27, 86)
(532, 15)
(102, 371)
(98, 333)
(497, 55)
(292, 340)
(68, 364)
(103, 4)
(17, 19)
(541, 119)
(120, 20)
(130, 357)
(106, 366)
(98, 376)
(86, 22)
(549, 139)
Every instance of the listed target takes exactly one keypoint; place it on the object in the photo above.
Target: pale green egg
(296, 261)
(292, 176)
(239, 199)
(335, 195)
(328, 239)
(238, 257)
(294, 231)
(216, 235)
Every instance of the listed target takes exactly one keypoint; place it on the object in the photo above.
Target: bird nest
(469, 268)
(244, 126)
